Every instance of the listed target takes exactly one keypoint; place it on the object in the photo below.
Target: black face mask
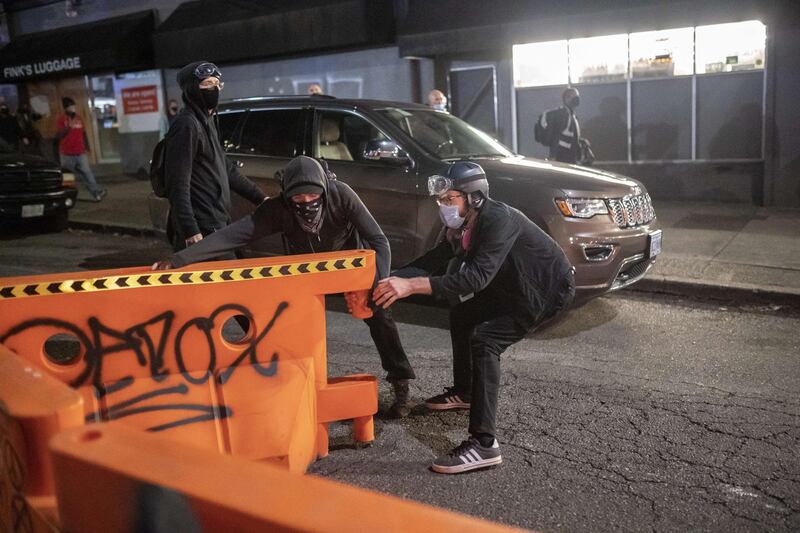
(71, 113)
(4, 111)
(173, 110)
(574, 102)
(210, 97)
(309, 214)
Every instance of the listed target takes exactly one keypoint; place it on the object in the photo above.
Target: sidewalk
(720, 251)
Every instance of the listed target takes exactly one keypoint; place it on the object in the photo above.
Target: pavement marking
(162, 278)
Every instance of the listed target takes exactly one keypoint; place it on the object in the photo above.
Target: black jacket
(510, 255)
(565, 146)
(347, 225)
(199, 175)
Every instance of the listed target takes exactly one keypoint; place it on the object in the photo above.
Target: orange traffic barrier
(33, 408)
(227, 356)
(111, 478)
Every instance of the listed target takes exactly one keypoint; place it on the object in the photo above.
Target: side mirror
(384, 150)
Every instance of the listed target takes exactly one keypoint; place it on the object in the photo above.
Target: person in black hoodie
(317, 214)
(503, 277)
(199, 175)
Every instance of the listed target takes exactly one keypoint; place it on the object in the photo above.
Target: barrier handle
(357, 303)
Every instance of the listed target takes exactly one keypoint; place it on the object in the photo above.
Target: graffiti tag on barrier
(100, 342)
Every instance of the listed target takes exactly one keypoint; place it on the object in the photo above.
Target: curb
(730, 294)
(102, 227)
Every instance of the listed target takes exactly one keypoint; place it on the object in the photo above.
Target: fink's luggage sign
(42, 68)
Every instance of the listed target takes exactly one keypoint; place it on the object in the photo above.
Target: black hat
(67, 101)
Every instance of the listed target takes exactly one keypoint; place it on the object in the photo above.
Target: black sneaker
(449, 399)
(401, 407)
(469, 455)
(100, 195)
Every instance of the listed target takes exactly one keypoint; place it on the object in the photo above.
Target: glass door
(104, 113)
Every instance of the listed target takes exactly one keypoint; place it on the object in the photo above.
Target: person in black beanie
(199, 176)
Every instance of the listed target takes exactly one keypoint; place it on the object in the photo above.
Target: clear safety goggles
(207, 70)
(438, 185)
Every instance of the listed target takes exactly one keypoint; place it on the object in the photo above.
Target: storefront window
(656, 54)
(598, 59)
(104, 109)
(730, 47)
(537, 64)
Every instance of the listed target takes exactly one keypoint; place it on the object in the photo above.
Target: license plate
(655, 243)
(35, 210)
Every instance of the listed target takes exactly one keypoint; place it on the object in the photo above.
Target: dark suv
(34, 189)
(386, 150)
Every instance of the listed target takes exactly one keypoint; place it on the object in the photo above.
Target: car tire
(57, 222)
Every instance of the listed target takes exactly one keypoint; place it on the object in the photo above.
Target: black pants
(481, 329)
(384, 333)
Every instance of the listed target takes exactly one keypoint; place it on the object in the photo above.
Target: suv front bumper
(11, 205)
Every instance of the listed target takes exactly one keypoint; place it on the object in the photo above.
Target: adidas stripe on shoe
(469, 455)
(449, 399)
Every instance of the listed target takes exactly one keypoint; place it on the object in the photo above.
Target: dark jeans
(384, 333)
(481, 329)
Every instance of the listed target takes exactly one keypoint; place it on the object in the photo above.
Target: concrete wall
(782, 182)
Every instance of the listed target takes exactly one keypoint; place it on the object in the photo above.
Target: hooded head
(304, 184)
(191, 76)
(571, 97)
(69, 105)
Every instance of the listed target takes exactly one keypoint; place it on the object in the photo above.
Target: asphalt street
(634, 413)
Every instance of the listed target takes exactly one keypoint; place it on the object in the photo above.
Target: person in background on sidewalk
(10, 132)
(26, 118)
(503, 276)
(73, 145)
(317, 214)
(199, 176)
(315, 89)
(437, 100)
(169, 116)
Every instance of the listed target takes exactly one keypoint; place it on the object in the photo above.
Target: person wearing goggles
(503, 277)
(317, 214)
(199, 175)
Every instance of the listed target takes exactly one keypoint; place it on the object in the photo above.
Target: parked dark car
(605, 222)
(33, 188)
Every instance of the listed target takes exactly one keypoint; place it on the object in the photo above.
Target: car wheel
(57, 222)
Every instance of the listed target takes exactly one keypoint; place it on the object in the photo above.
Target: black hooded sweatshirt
(199, 175)
(346, 224)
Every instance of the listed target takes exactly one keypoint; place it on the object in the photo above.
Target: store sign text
(140, 99)
(42, 67)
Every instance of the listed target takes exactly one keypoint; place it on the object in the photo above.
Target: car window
(444, 135)
(343, 136)
(228, 128)
(275, 133)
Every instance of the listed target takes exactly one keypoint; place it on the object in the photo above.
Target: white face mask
(450, 217)
(440, 107)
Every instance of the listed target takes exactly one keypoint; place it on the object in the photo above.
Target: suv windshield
(444, 135)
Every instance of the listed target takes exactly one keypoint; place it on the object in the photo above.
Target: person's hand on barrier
(162, 265)
(194, 238)
(390, 290)
(357, 303)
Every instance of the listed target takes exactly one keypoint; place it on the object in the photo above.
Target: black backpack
(544, 134)
(158, 178)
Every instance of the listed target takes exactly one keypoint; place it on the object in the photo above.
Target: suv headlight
(582, 207)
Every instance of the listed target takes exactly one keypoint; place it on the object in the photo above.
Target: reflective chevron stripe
(164, 278)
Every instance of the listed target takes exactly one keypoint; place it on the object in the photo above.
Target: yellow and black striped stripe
(165, 278)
